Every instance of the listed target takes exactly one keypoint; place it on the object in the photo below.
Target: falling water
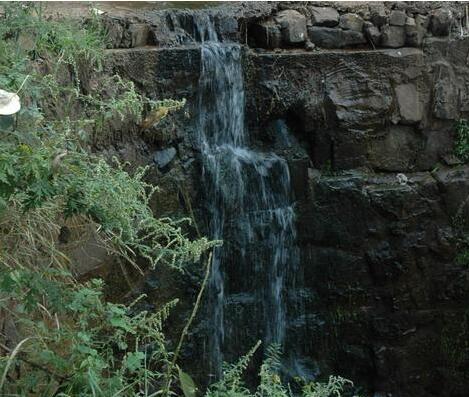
(247, 196)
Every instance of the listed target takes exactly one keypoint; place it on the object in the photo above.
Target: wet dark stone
(393, 36)
(397, 18)
(351, 21)
(293, 26)
(334, 37)
(163, 157)
(378, 14)
(266, 34)
(372, 33)
(441, 21)
(324, 16)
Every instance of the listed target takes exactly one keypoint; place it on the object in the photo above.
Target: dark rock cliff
(371, 94)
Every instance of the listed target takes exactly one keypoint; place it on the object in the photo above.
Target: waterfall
(247, 199)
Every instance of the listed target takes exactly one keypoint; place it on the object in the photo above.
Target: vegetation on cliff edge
(60, 336)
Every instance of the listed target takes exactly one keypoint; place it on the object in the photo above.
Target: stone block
(267, 34)
(293, 26)
(396, 151)
(441, 22)
(335, 38)
(163, 157)
(324, 16)
(351, 22)
(378, 14)
(372, 33)
(409, 104)
(397, 18)
(393, 36)
(139, 33)
(414, 33)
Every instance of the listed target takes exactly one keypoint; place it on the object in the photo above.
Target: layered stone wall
(342, 25)
(377, 184)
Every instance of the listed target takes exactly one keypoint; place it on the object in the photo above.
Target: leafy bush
(270, 385)
(62, 337)
(65, 338)
(462, 140)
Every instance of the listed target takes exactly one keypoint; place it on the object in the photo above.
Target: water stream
(248, 206)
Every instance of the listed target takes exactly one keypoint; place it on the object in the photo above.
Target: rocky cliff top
(278, 25)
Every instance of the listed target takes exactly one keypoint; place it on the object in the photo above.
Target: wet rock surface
(371, 138)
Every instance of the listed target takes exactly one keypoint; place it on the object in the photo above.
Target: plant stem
(187, 326)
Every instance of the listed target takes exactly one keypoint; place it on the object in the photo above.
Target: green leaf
(187, 384)
(6, 122)
(134, 361)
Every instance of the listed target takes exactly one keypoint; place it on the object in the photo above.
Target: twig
(187, 326)
(33, 364)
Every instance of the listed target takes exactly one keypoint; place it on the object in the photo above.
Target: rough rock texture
(335, 38)
(324, 16)
(372, 34)
(385, 300)
(293, 25)
(393, 36)
(397, 18)
(351, 22)
(441, 22)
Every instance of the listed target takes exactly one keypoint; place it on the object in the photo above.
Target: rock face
(397, 18)
(408, 100)
(393, 36)
(267, 34)
(293, 25)
(335, 38)
(351, 22)
(441, 22)
(369, 139)
(372, 33)
(324, 16)
(163, 157)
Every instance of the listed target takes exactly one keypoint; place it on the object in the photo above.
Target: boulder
(360, 101)
(393, 36)
(324, 16)
(372, 33)
(293, 26)
(397, 151)
(445, 96)
(414, 33)
(422, 21)
(351, 22)
(441, 22)
(115, 31)
(409, 104)
(326, 37)
(378, 14)
(309, 45)
(139, 33)
(335, 38)
(163, 157)
(397, 18)
(267, 34)
(353, 38)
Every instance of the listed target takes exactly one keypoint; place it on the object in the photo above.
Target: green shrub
(66, 339)
(270, 384)
(462, 140)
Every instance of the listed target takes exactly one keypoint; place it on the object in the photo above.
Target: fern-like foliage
(64, 338)
(232, 384)
(270, 382)
(462, 140)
